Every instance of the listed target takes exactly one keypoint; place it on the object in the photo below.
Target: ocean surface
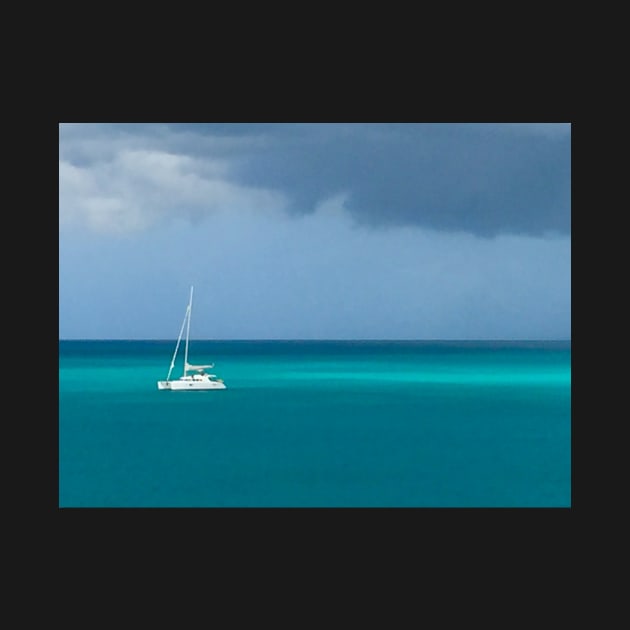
(424, 424)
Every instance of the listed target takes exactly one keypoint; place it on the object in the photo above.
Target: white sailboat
(199, 379)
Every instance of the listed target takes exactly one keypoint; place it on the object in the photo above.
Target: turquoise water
(317, 424)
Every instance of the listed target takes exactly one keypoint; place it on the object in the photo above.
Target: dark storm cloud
(485, 179)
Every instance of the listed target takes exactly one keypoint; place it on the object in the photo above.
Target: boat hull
(185, 385)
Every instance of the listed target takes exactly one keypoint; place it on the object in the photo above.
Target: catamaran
(199, 379)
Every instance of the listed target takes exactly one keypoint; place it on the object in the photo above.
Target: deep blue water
(317, 424)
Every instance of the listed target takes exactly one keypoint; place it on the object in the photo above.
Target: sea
(317, 424)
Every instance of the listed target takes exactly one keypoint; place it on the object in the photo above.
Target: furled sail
(198, 367)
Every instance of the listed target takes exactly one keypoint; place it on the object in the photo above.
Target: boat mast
(188, 332)
(181, 330)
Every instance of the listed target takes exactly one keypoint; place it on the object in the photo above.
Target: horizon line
(449, 339)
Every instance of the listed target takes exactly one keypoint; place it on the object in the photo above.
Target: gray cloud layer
(485, 179)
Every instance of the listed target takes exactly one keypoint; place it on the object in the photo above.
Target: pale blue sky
(315, 231)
